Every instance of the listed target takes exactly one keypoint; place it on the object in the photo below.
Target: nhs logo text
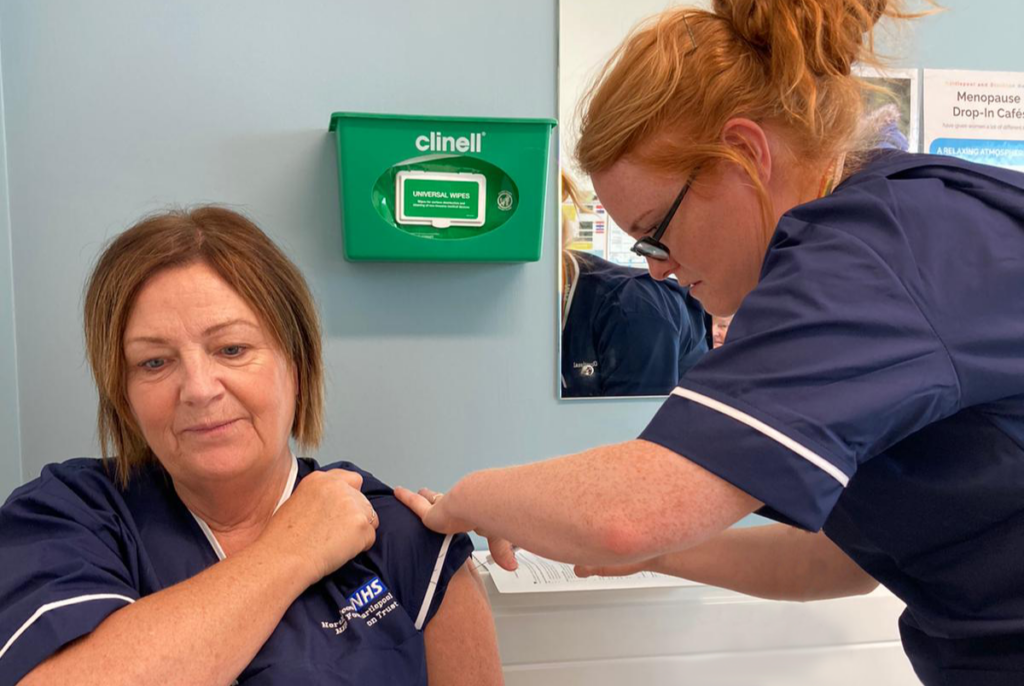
(369, 592)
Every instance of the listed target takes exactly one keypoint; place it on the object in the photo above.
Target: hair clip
(693, 40)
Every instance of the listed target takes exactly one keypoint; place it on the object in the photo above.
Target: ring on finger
(434, 498)
(373, 518)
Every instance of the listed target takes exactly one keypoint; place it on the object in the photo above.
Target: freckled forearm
(610, 504)
(776, 562)
(204, 630)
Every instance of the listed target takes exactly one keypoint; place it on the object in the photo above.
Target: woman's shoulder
(371, 484)
(395, 519)
(81, 476)
(73, 500)
(92, 480)
(411, 557)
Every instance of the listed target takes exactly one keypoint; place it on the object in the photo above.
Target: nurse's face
(212, 393)
(716, 239)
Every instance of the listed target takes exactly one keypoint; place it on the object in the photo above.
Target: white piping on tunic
(744, 418)
(56, 605)
(432, 586)
(288, 488)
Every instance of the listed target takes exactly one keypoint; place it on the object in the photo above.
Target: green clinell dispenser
(442, 189)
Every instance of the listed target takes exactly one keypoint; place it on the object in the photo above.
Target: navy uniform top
(625, 333)
(873, 386)
(75, 548)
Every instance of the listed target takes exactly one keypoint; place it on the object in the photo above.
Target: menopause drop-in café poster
(975, 115)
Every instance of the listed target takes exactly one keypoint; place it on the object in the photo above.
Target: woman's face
(719, 329)
(716, 239)
(211, 391)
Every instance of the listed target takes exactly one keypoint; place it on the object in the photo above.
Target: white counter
(696, 636)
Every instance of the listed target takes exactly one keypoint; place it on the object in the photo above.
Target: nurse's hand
(327, 521)
(432, 508)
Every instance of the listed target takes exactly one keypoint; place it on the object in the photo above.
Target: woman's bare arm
(462, 647)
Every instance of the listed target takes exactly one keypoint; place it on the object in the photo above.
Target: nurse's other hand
(503, 553)
(433, 509)
(584, 571)
(327, 521)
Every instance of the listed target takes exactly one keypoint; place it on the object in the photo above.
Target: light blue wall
(115, 108)
(971, 34)
(119, 107)
(10, 444)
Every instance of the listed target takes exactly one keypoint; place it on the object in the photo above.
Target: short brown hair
(248, 261)
(783, 61)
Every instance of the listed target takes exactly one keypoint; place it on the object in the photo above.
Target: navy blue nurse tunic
(626, 333)
(75, 548)
(873, 387)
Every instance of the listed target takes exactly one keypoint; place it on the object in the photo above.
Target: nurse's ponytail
(680, 76)
(801, 38)
(807, 50)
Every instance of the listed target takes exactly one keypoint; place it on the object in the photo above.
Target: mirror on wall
(624, 333)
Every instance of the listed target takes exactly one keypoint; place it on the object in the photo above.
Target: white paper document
(540, 575)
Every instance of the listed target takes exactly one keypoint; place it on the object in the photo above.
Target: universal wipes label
(441, 199)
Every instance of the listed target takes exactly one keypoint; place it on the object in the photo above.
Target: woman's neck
(237, 510)
(805, 184)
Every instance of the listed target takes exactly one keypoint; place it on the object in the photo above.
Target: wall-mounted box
(442, 189)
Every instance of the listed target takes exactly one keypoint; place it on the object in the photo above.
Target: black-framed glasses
(651, 246)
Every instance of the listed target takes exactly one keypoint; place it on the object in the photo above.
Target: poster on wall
(975, 115)
(892, 107)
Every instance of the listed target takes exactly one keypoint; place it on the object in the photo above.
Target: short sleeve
(62, 571)
(829, 361)
(416, 562)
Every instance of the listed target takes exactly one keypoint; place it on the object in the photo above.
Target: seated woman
(207, 553)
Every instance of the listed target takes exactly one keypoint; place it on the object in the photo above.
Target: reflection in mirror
(623, 332)
(719, 327)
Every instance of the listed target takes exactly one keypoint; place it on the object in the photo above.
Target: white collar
(289, 486)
